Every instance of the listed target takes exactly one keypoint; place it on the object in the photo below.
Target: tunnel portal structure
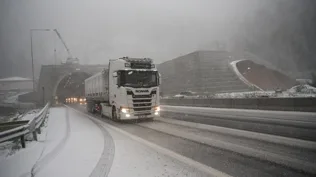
(56, 82)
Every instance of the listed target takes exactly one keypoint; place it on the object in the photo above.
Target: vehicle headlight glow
(157, 108)
(124, 110)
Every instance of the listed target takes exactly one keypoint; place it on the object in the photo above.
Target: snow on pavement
(16, 161)
(73, 145)
(21, 161)
(135, 159)
(131, 158)
(77, 155)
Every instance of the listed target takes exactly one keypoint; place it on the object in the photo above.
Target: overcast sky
(96, 30)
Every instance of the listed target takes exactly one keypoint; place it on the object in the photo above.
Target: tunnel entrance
(71, 88)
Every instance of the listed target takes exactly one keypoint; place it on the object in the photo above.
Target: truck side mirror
(117, 78)
(159, 79)
(118, 82)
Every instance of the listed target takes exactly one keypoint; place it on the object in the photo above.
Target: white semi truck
(128, 89)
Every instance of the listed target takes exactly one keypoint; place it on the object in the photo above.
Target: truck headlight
(124, 110)
(157, 108)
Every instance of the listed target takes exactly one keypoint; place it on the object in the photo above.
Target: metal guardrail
(33, 126)
(4, 126)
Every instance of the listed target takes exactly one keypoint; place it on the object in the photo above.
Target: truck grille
(141, 101)
(142, 109)
(142, 104)
(141, 96)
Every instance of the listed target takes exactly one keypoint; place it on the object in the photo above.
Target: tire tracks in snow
(43, 162)
(103, 167)
(159, 149)
(106, 160)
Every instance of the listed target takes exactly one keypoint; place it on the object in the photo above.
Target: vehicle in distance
(80, 100)
(128, 89)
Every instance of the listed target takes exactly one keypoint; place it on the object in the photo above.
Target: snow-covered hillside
(296, 91)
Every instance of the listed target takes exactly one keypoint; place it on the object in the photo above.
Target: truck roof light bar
(137, 60)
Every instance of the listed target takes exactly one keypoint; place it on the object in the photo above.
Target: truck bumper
(130, 116)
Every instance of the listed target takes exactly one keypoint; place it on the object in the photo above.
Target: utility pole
(55, 57)
(43, 88)
(31, 36)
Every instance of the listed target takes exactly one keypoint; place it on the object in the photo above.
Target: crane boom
(59, 36)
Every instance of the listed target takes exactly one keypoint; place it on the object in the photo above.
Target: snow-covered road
(74, 144)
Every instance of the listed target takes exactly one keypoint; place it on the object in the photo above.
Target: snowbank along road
(183, 142)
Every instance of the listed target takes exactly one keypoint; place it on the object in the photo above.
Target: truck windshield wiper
(132, 85)
(146, 85)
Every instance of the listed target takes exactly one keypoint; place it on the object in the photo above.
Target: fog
(97, 30)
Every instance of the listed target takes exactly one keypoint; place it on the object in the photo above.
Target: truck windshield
(134, 78)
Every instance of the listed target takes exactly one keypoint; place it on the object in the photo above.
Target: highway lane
(283, 123)
(230, 162)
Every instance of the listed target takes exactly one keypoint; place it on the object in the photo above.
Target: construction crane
(70, 59)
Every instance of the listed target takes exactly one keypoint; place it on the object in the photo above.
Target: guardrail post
(35, 135)
(23, 141)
